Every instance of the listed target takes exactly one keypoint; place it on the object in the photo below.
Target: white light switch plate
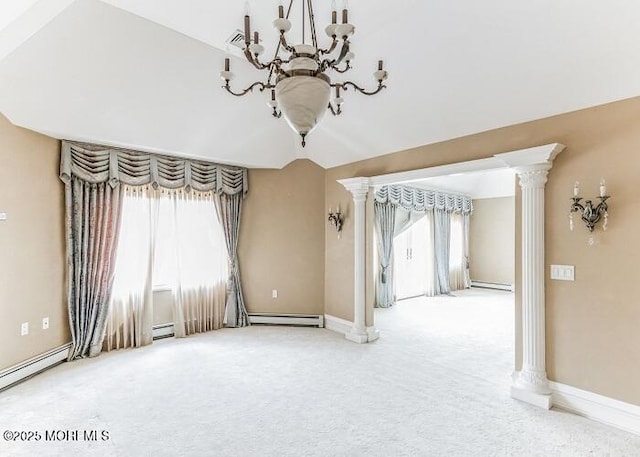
(563, 272)
(3, 216)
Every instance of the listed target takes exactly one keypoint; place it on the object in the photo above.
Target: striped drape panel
(229, 208)
(92, 225)
(442, 237)
(385, 218)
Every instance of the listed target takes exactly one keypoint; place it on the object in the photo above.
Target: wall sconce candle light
(336, 219)
(590, 214)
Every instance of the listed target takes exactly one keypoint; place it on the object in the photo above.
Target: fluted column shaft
(533, 376)
(359, 188)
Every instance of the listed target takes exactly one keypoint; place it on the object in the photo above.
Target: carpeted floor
(435, 384)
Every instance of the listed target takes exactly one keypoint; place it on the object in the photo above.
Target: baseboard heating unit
(306, 320)
(492, 285)
(29, 368)
(163, 331)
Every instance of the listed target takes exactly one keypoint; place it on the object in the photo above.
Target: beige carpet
(435, 384)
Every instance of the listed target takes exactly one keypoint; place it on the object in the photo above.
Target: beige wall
(282, 239)
(492, 232)
(592, 338)
(32, 247)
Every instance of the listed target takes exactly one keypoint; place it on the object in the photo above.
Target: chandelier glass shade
(298, 75)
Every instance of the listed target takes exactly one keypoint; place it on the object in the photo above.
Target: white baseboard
(344, 326)
(33, 366)
(312, 320)
(603, 409)
(492, 285)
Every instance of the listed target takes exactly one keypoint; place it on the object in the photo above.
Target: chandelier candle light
(299, 84)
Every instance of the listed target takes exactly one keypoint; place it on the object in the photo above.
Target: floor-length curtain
(130, 319)
(442, 235)
(466, 217)
(385, 219)
(229, 210)
(92, 228)
(429, 282)
(458, 260)
(198, 245)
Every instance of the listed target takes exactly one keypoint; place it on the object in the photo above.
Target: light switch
(563, 272)
(3, 216)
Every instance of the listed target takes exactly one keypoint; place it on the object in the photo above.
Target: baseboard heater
(305, 320)
(35, 365)
(492, 285)
(163, 331)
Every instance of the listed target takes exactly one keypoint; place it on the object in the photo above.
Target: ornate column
(532, 166)
(531, 384)
(359, 187)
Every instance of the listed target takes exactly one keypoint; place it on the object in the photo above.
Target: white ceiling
(477, 185)
(144, 73)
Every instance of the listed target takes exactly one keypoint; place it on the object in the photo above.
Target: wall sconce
(336, 219)
(590, 215)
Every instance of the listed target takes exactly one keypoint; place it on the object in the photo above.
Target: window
(189, 247)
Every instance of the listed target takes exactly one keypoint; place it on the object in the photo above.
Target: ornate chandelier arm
(344, 70)
(345, 55)
(255, 62)
(259, 84)
(335, 112)
(346, 84)
(332, 48)
(283, 42)
(343, 52)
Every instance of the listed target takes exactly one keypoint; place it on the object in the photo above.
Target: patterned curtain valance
(98, 164)
(414, 199)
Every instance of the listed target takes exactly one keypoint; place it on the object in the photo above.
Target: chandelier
(299, 84)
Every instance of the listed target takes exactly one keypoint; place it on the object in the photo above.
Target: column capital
(533, 176)
(359, 187)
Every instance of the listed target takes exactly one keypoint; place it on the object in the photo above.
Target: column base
(371, 334)
(531, 386)
(533, 398)
(357, 337)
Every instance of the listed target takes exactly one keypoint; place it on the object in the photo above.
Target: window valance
(414, 199)
(98, 164)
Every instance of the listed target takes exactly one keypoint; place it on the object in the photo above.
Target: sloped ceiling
(144, 73)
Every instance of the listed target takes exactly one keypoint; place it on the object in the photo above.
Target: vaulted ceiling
(144, 73)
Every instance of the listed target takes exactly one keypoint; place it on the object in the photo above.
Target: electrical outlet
(274, 293)
(45, 323)
(24, 329)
